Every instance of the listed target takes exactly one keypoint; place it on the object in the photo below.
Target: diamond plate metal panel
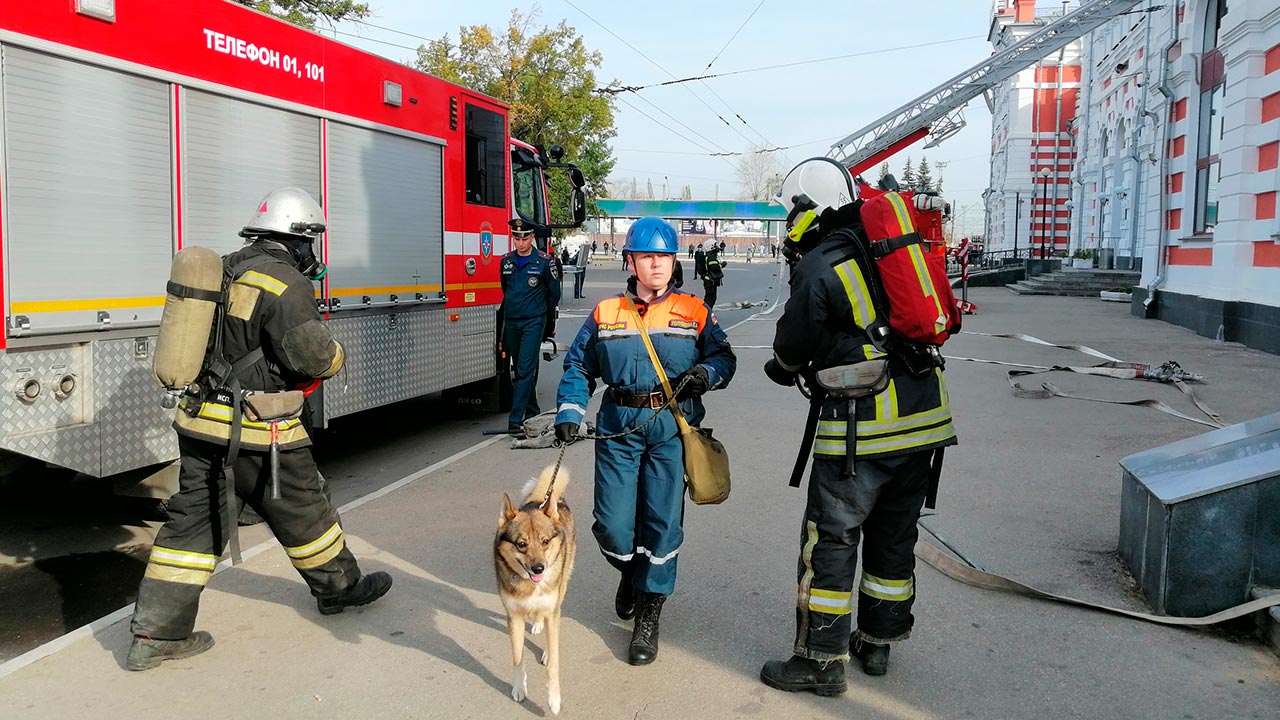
(52, 427)
(397, 356)
(475, 359)
(136, 431)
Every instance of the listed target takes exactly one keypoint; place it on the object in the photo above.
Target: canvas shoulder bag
(706, 463)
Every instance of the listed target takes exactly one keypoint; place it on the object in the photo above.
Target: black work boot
(624, 601)
(644, 637)
(146, 653)
(801, 673)
(874, 658)
(367, 589)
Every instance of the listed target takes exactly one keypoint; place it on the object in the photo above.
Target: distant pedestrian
(699, 263)
(580, 264)
(712, 277)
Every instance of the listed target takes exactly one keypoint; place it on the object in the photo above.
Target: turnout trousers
(710, 291)
(521, 339)
(639, 496)
(188, 546)
(881, 503)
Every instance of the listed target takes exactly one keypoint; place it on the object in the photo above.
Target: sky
(804, 108)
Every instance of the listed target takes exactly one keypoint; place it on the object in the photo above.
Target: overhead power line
(731, 38)
(677, 81)
(656, 64)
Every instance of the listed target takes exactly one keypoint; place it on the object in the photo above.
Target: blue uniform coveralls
(530, 293)
(639, 478)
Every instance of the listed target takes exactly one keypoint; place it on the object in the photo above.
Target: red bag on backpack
(914, 279)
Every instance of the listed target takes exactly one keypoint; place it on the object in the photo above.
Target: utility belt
(653, 400)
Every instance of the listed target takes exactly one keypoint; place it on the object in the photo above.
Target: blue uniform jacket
(684, 332)
(532, 291)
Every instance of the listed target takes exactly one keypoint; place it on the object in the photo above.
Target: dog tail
(536, 490)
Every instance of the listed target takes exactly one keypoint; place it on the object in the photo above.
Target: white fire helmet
(288, 211)
(811, 187)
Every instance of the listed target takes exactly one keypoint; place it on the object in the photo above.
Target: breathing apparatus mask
(303, 250)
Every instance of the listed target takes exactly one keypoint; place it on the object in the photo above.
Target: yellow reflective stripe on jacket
(906, 441)
(869, 429)
(262, 281)
(831, 602)
(886, 404)
(318, 551)
(855, 286)
(893, 590)
(806, 557)
(835, 448)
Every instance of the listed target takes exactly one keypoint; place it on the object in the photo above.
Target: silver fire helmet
(287, 211)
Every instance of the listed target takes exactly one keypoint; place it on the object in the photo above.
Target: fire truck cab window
(486, 158)
(527, 192)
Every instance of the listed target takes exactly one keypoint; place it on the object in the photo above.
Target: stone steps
(1074, 283)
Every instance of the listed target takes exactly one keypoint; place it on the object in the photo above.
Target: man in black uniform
(530, 294)
(898, 429)
(270, 332)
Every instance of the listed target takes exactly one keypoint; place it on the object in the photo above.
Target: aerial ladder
(939, 113)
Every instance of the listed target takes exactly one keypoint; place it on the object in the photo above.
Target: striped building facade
(1178, 130)
(1033, 145)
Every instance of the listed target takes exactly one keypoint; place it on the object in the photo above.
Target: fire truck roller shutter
(234, 153)
(386, 223)
(188, 316)
(89, 204)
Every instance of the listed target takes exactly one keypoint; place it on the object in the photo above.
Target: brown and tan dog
(533, 557)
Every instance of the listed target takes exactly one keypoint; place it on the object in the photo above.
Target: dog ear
(508, 511)
(552, 509)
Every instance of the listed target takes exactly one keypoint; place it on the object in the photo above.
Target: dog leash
(564, 445)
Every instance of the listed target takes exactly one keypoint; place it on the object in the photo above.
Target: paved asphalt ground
(1032, 492)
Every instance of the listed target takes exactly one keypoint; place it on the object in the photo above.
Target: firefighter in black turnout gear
(869, 479)
(270, 332)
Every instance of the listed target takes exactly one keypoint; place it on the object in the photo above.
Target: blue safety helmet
(652, 234)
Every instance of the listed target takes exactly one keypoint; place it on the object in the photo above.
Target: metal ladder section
(940, 112)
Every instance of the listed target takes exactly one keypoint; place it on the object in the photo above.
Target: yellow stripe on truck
(46, 306)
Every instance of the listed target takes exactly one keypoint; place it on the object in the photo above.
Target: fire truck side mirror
(576, 177)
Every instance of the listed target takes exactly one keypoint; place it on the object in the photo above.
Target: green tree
(908, 179)
(307, 12)
(924, 176)
(884, 170)
(548, 77)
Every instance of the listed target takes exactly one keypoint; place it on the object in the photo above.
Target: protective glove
(567, 432)
(698, 383)
(778, 374)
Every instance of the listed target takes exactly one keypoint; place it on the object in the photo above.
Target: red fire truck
(132, 128)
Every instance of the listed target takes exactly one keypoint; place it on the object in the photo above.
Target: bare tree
(759, 173)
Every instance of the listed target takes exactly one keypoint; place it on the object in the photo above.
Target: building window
(1106, 143)
(486, 158)
(1213, 86)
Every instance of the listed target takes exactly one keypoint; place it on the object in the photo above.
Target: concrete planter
(1113, 296)
(1082, 263)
